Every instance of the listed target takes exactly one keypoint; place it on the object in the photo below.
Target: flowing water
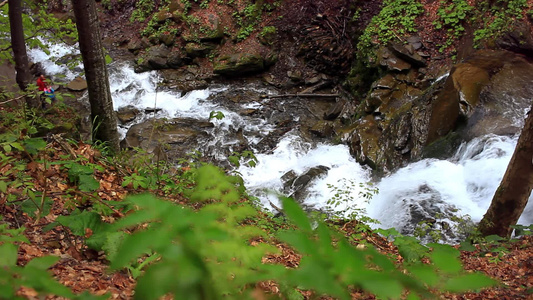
(429, 190)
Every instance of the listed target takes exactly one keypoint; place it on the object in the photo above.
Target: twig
(3, 3)
(99, 200)
(276, 208)
(61, 141)
(16, 98)
(303, 95)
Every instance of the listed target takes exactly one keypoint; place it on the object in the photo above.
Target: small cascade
(431, 191)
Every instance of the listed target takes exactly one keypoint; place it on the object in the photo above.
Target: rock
(468, 80)
(387, 59)
(77, 85)
(296, 186)
(239, 64)
(136, 45)
(408, 54)
(518, 40)
(363, 143)
(127, 114)
(295, 76)
(322, 129)
(335, 110)
(155, 58)
(172, 139)
(198, 49)
(176, 60)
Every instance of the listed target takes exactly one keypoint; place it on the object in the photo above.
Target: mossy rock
(239, 64)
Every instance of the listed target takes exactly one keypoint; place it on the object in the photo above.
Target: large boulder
(170, 139)
(78, 84)
(238, 64)
(487, 93)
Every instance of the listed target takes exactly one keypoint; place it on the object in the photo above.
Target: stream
(431, 190)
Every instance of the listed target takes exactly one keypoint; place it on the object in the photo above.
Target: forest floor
(83, 269)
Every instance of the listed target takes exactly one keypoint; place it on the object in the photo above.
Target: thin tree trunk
(513, 193)
(102, 113)
(18, 44)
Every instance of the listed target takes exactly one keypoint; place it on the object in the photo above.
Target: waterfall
(430, 190)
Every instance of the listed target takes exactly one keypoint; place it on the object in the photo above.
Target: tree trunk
(18, 44)
(513, 193)
(102, 113)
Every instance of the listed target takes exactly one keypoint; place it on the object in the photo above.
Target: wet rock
(77, 85)
(363, 144)
(518, 40)
(468, 80)
(322, 129)
(408, 54)
(171, 139)
(127, 114)
(387, 59)
(335, 110)
(296, 186)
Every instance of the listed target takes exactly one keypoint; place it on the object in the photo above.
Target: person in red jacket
(41, 83)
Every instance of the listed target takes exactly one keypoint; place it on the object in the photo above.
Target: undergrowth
(203, 249)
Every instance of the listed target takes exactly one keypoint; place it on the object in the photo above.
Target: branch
(16, 98)
(3, 3)
(303, 96)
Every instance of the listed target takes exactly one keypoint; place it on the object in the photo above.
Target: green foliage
(451, 17)
(342, 266)
(152, 173)
(83, 175)
(37, 23)
(34, 274)
(216, 115)
(246, 155)
(498, 18)
(209, 246)
(395, 20)
(342, 197)
(267, 30)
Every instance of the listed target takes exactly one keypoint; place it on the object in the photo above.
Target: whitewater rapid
(466, 181)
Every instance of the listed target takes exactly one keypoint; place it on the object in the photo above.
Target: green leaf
(29, 207)
(494, 238)
(468, 282)
(8, 255)
(384, 288)
(296, 214)
(42, 263)
(3, 186)
(34, 145)
(424, 273)
(446, 258)
(78, 222)
(467, 246)
(42, 282)
(88, 183)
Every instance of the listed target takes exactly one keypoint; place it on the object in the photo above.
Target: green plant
(395, 20)
(246, 155)
(341, 265)
(451, 17)
(267, 30)
(216, 115)
(498, 19)
(342, 197)
(209, 246)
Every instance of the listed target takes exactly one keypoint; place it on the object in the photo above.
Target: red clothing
(41, 84)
